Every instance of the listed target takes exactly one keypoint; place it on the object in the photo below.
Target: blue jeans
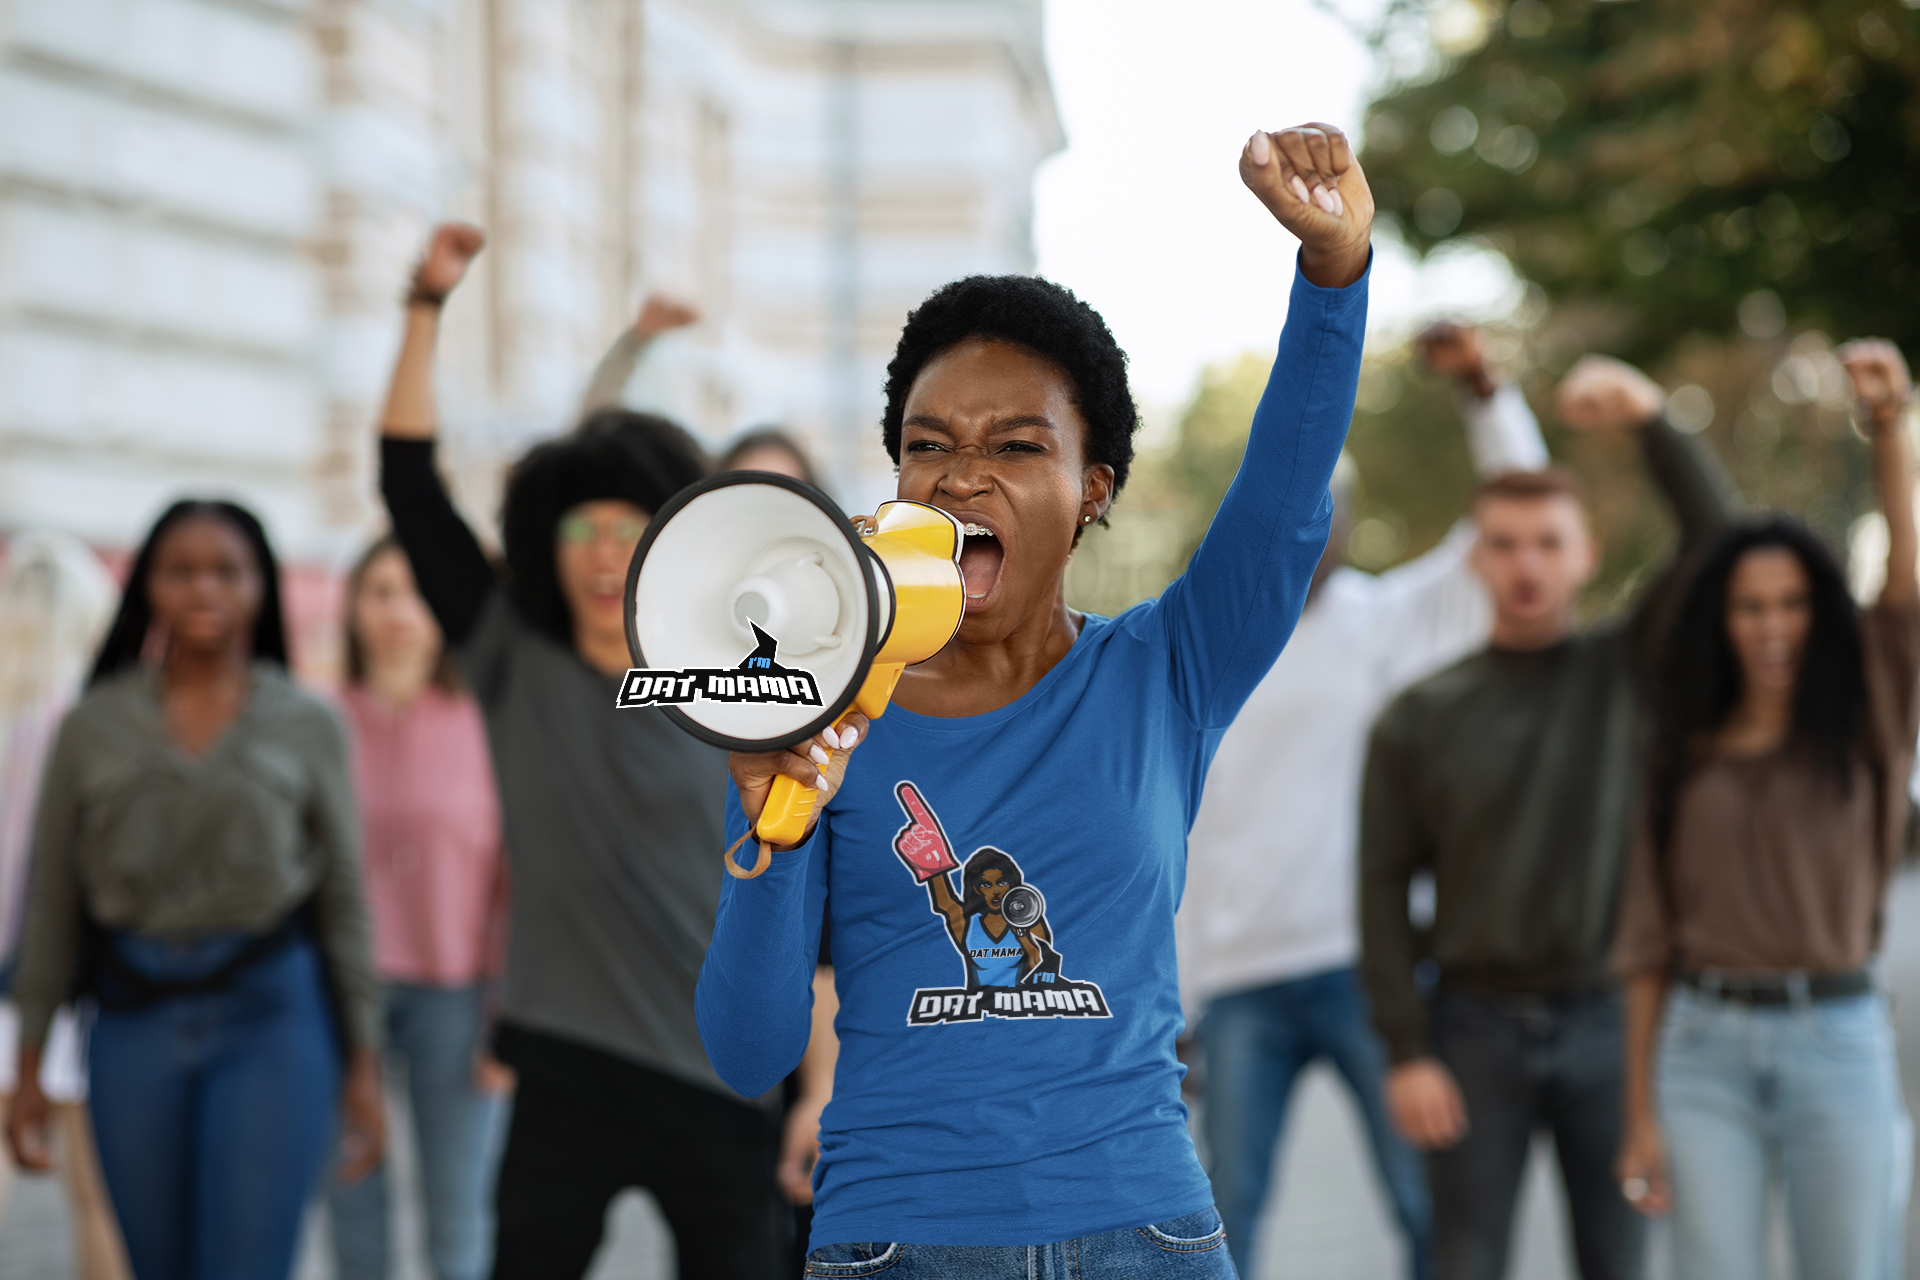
(1257, 1043)
(1811, 1092)
(1525, 1063)
(435, 1032)
(214, 1111)
(1192, 1247)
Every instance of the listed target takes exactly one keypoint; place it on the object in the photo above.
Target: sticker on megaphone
(759, 678)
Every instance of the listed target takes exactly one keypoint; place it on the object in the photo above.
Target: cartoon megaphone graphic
(758, 614)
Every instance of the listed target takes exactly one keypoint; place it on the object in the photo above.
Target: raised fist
(922, 844)
(449, 253)
(1879, 375)
(1309, 180)
(659, 313)
(1604, 394)
(1452, 348)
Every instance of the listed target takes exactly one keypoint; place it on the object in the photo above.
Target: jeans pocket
(867, 1258)
(1194, 1233)
(1854, 1029)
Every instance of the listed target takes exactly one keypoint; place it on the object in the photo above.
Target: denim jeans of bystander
(213, 1111)
(1808, 1092)
(1257, 1043)
(1526, 1064)
(433, 1033)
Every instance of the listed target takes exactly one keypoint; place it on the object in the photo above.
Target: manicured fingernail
(833, 738)
(819, 756)
(1321, 200)
(1259, 149)
(848, 738)
(1339, 205)
(1300, 189)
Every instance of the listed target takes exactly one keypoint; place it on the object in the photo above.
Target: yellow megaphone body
(759, 614)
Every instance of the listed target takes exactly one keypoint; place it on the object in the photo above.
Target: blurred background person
(607, 385)
(55, 602)
(436, 893)
(195, 868)
(810, 1087)
(1267, 927)
(1757, 1044)
(770, 449)
(1508, 777)
(612, 823)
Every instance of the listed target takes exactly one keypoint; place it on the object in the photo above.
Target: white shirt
(1270, 860)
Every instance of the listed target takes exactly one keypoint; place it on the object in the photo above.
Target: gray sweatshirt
(614, 819)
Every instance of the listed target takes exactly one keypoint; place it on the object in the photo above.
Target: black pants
(1525, 1063)
(587, 1125)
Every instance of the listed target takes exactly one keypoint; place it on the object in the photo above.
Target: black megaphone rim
(861, 554)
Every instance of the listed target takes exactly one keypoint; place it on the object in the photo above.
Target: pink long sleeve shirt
(434, 873)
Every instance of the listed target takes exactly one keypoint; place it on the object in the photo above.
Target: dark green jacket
(1510, 777)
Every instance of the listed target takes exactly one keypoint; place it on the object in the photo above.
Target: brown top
(1771, 866)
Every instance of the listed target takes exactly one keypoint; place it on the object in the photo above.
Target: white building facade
(209, 209)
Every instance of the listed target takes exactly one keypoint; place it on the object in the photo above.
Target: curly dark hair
(1698, 681)
(1041, 317)
(614, 454)
(127, 638)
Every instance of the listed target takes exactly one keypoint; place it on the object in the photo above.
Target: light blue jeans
(1257, 1044)
(434, 1033)
(1193, 1247)
(1807, 1093)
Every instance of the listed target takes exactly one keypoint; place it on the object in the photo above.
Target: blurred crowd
(1620, 883)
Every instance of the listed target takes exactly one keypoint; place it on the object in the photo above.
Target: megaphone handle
(790, 805)
(789, 809)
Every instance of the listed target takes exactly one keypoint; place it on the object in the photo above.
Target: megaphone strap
(759, 867)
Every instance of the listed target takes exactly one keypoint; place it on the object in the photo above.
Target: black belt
(1778, 988)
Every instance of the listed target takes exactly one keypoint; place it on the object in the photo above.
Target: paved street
(1328, 1221)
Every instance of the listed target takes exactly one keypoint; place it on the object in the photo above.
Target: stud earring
(1086, 519)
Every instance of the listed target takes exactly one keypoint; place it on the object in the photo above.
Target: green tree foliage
(1713, 189)
(1670, 160)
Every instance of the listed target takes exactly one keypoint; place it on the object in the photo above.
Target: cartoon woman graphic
(999, 952)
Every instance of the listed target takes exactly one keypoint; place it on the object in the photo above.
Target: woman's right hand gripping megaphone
(819, 762)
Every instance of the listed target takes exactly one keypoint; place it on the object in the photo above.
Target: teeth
(978, 531)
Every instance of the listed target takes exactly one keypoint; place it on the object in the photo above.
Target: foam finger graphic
(922, 843)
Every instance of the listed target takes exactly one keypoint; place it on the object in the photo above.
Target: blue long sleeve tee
(1002, 887)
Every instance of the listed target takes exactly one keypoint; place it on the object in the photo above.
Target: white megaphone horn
(759, 614)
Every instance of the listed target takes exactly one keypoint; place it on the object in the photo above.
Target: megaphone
(1022, 906)
(758, 614)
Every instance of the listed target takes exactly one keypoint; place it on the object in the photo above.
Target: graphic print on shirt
(998, 924)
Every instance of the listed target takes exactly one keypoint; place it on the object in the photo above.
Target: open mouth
(981, 557)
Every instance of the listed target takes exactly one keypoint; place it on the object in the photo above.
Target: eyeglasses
(620, 530)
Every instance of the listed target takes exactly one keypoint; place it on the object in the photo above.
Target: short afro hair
(615, 454)
(1039, 316)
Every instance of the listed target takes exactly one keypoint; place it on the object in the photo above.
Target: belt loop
(1798, 991)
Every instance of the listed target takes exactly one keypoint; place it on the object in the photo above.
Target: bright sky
(1144, 216)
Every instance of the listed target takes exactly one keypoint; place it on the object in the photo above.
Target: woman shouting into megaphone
(1073, 745)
